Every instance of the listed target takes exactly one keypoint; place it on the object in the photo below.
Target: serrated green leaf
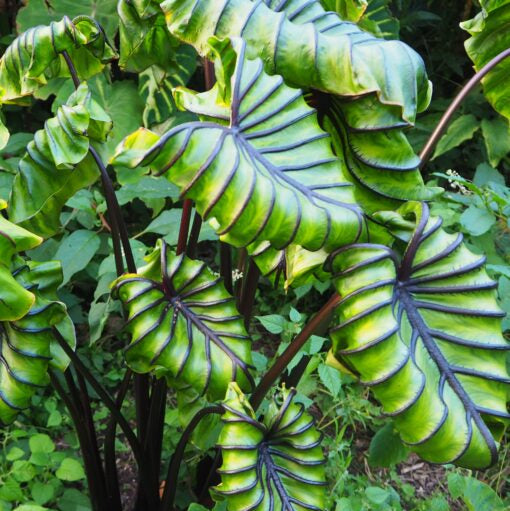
(330, 378)
(423, 328)
(496, 135)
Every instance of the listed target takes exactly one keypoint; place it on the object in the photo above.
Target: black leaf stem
(250, 282)
(170, 491)
(103, 394)
(93, 472)
(270, 378)
(442, 126)
(191, 250)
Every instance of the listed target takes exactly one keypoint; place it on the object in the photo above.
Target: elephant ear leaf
(259, 166)
(424, 331)
(274, 464)
(184, 324)
(28, 344)
(489, 38)
(57, 163)
(309, 47)
(35, 56)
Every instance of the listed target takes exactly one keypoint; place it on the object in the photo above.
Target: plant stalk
(442, 126)
(170, 491)
(270, 378)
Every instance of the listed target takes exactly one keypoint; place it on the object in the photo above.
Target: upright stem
(184, 227)
(167, 503)
(226, 266)
(427, 151)
(105, 397)
(247, 301)
(191, 250)
(270, 378)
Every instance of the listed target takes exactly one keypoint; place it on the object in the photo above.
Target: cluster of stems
(150, 394)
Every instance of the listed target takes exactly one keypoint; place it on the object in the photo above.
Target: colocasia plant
(296, 155)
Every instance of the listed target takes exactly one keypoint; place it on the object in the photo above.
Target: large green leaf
(185, 325)
(309, 47)
(144, 36)
(57, 163)
(42, 12)
(423, 329)
(35, 56)
(367, 121)
(259, 166)
(490, 36)
(28, 314)
(274, 464)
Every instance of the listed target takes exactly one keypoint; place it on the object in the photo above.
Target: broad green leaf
(423, 329)
(274, 464)
(184, 324)
(386, 448)
(496, 134)
(330, 55)
(296, 190)
(76, 251)
(477, 220)
(489, 37)
(4, 133)
(42, 493)
(485, 175)
(57, 163)
(28, 344)
(35, 56)
(41, 443)
(273, 323)
(144, 37)
(479, 496)
(70, 470)
(74, 500)
(460, 130)
(330, 379)
(367, 135)
(41, 12)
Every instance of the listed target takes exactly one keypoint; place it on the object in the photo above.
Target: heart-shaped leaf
(185, 325)
(424, 331)
(263, 170)
(274, 464)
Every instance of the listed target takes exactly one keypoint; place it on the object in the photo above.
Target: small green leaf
(386, 448)
(54, 419)
(70, 470)
(460, 130)
(273, 323)
(486, 174)
(15, 453)
(330, 378)
(294, 315)
(41, 443)
(31, 507)
(478, 496)
(74, 500)
(377, 495)
(496, 134)
(10, 491)
(42, 493)
(23, 471)
(477, 220)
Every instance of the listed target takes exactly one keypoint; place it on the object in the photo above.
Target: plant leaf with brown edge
(259, 167)
(273, 464)
(422, 328)
(185, 324)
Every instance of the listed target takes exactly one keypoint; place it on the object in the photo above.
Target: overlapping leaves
(274, 464)
(184, 324)
(379, 96)
(329, 54)
(28, 314)
(35, 56)
(424, 331)
(57, 163)
(490, 37)
(259, 166)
